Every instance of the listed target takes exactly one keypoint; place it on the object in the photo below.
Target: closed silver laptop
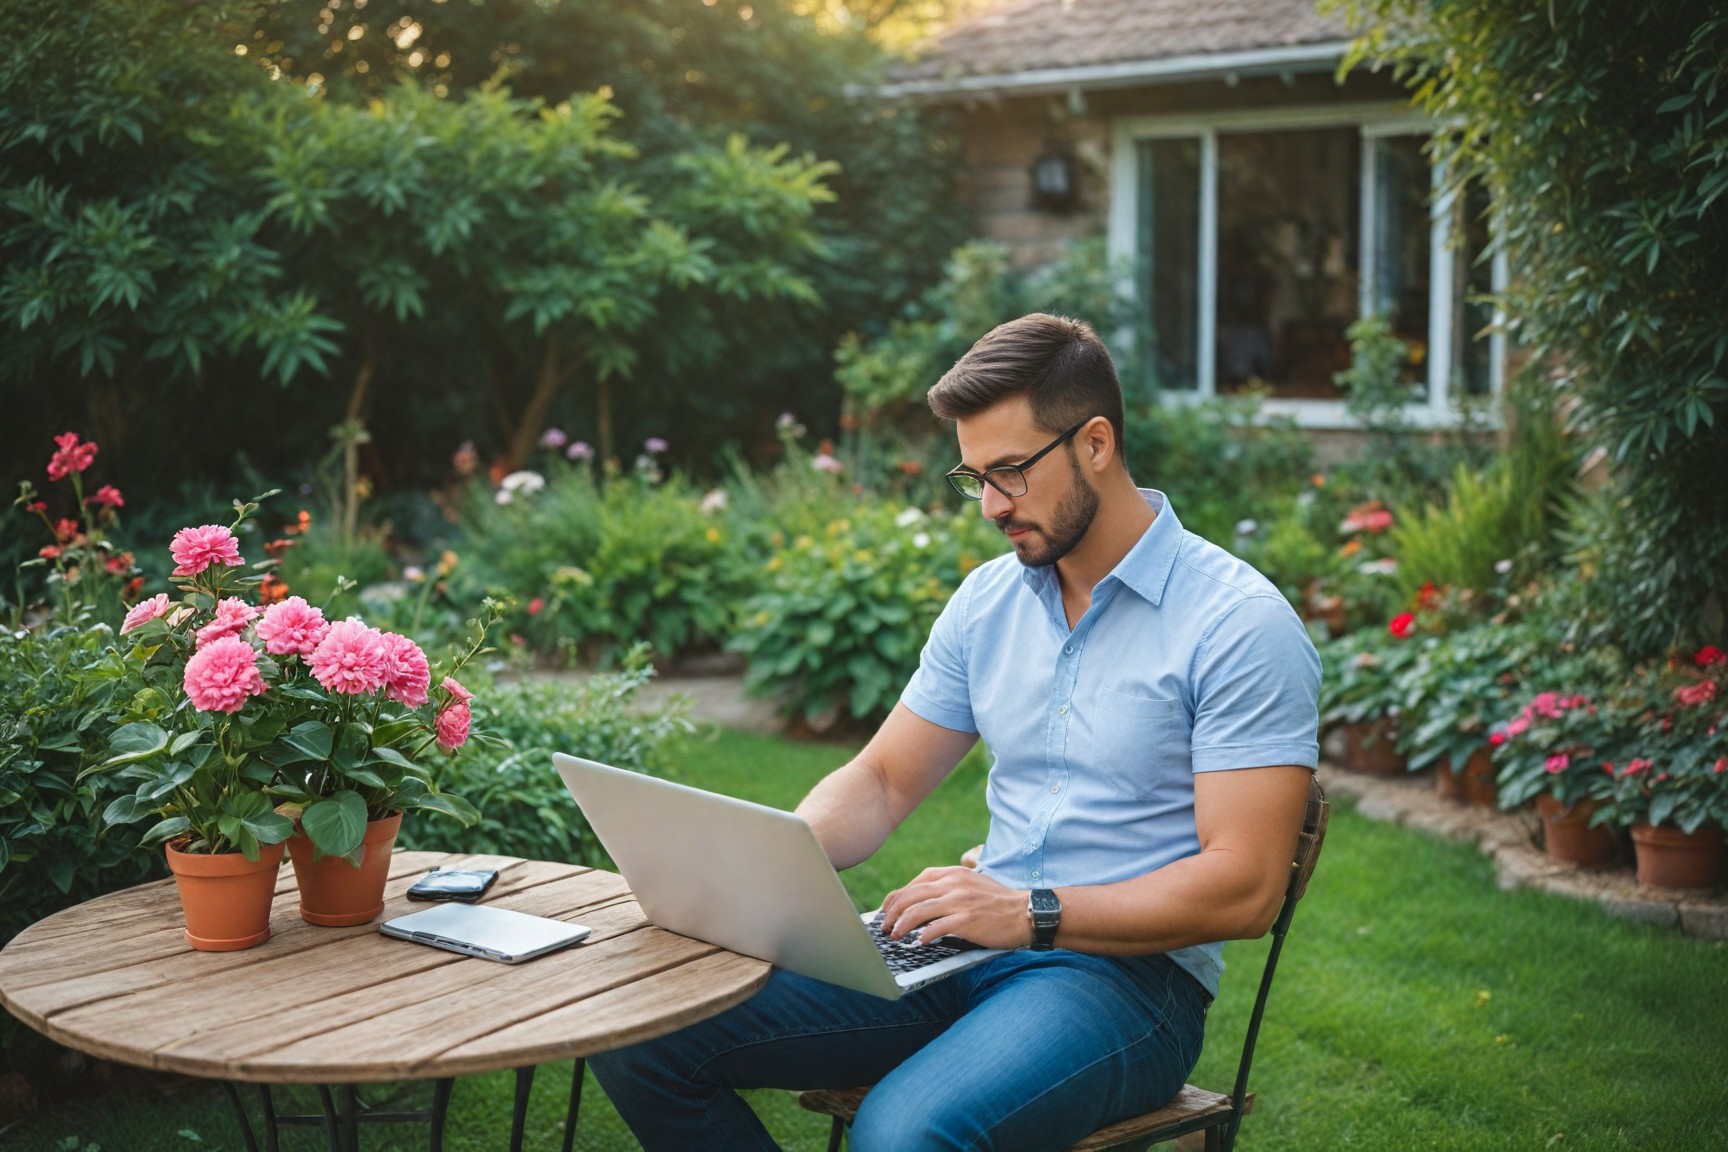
(746, 877)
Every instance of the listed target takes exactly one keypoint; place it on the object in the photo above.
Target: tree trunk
(533, 421)
(352, 432)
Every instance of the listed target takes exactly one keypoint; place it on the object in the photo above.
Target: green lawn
(1417, 1006)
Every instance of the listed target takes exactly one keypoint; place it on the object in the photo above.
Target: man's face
(1053, 516)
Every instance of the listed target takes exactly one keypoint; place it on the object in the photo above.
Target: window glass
(1170, 244)
(1289, 219)
(1403, 248)
(1472, 282)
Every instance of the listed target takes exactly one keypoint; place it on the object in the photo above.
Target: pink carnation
(350, 659)
(232, 616)
(1557, 763)
(109, 495)
(407, 677)
(195, 549)
(70, 456)
(460, 694)
(220, 675)
(292, 627)
(452, 725)
(145, 611)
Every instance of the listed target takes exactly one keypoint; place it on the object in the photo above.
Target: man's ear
(1098, 441)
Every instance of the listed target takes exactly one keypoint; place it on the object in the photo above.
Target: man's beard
(1069, 524)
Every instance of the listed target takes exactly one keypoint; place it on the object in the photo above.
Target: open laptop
(746, 877)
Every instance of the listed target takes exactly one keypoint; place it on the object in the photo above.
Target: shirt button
(1069, 649)
(1062, 711)
(1035, 875)
(1055, 787)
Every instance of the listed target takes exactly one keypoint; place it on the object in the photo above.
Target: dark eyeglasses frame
(1005, 477)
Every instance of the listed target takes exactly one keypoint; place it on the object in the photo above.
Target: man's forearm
(849, 813)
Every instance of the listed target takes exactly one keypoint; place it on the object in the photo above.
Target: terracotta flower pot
(1670, 858)
(1474, 785)
(335, 893)
(226, 897)
(1568, 835)
(1371, 747)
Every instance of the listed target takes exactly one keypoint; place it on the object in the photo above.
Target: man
(1151, 704)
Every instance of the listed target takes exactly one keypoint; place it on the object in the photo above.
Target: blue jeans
(1028, 1050)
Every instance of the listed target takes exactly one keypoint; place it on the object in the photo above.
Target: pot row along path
(1511, 839)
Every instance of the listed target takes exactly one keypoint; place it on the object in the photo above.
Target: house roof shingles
(1014, 37)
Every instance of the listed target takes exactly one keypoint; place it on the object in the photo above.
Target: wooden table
(114, 978)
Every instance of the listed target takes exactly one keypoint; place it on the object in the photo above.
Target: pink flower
(554, 438)
(458, 693)
(70, 456)
(232, 616)
(222, 674)
(654, 445)
(1557, 762)
(1721, 764)
(406, 673)
(579, 450)
(1636, 765)
(1401, 624)
(1518, 726)
(1496, 738)
(823, 462)
(109, 495)
(452, 725)
(195, 549)
(145, 611)
(292, 627)
(536, 606)
(350, 659)
(1693, 695)
(1709, 656)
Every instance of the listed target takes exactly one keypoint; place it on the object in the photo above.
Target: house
(1263, 201)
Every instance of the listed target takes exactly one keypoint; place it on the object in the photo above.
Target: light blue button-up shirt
(1188, 660)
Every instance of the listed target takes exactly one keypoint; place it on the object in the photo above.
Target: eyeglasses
(1008, 479)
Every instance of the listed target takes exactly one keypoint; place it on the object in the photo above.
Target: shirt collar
(1147, 566)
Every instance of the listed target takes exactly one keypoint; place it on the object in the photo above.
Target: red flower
(1401, 624)
(1693, 695)
(536, 606)
(70, 456)
(109, 495)
(49, 552)
(1427, 597)
(1496, 738)
(1709, 655)
(119, 564)
(36, 506)
(65, 530)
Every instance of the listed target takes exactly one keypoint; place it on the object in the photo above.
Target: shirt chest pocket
(1140, 745)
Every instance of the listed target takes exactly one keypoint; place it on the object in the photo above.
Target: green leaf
(167, 830)
(252, 811)
(138, 740)
(336, 825)
(308, 740)
(450, 806)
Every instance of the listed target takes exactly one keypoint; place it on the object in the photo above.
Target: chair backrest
(1308, 843)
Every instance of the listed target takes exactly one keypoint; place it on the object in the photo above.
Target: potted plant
(1364, 690)
(1552, 752)
(1673, 796)
(243, 708)
(1459, 683)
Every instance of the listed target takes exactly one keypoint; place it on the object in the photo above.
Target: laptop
(749, 878)
(487, 932)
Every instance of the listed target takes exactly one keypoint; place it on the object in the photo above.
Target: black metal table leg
(519, 1112)
(332, 1121)
(269, 1104)
(575, 1109)
(240, 1111)
(440, 1107)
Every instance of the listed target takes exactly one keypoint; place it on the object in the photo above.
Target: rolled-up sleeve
(1256, 681)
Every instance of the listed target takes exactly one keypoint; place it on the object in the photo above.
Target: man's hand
(959, 902)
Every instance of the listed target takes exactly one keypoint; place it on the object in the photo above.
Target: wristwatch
(1046, 913)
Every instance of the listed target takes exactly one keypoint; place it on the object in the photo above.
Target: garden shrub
(837, 631)
(506, 769)
(60, 688)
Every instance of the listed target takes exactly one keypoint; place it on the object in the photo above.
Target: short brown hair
(1060, 363)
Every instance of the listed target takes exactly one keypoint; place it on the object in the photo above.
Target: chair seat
(1191, 1108)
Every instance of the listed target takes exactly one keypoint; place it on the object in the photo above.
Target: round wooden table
(114, 977)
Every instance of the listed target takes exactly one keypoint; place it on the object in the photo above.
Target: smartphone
(464, 884)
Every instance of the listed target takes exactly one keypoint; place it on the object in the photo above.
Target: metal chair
(1193, 1109)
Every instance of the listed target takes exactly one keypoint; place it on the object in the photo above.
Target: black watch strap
(1046, 912)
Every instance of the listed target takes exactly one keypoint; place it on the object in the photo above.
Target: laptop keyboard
(905, 956)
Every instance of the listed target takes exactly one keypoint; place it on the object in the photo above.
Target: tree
(1601, 131)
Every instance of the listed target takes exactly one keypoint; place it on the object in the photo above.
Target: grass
(1416, 1006)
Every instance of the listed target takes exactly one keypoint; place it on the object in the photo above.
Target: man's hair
(1061, 365)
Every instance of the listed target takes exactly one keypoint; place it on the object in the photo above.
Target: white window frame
(1373, 121)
